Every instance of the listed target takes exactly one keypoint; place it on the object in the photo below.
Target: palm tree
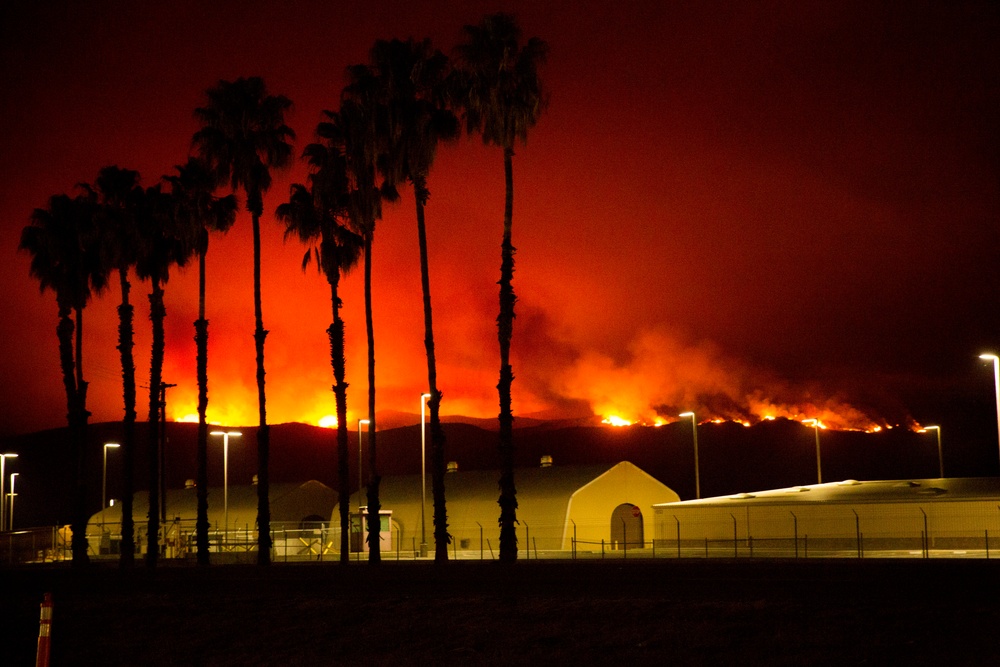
(65, 257)
(360, 126)
(502, 96)
(199, 212)
(161, 245)
(412, 76)
(118, 194)
(318, 215)
(243, 136)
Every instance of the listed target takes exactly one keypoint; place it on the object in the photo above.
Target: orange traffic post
(44, 632)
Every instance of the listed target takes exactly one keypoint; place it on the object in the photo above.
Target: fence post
(527, 541)
(795, 521)
(492, 557)
(602, 548)
(574, 538)
(735, 543)
(534, 545)
(857, 531)
(927, 535)
(480, 540)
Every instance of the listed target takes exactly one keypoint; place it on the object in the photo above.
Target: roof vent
(798, 489)
(452, 466)
(189, 484)
(910, 484)
(742, 496)
(546, 461)
(848, 482)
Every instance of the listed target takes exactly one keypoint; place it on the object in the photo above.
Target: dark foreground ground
(736, 612)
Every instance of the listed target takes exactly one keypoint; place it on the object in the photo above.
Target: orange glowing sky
(773, 210)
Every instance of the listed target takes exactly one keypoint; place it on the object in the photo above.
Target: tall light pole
(423, 472)
(819, 465)
(697, 474)
(996, 386)
(225, 474)
(3, 505)
(104, 480)
(12, 494)
(940, 458)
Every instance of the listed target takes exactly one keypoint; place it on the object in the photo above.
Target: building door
(626, 527)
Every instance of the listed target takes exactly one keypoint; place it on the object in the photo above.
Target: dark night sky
(742, 209)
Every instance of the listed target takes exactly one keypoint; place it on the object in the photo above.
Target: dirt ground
(719, 612)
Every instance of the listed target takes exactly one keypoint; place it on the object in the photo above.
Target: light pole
(996, 385)
(3, 477)
(697, 474)
(13, 477)
(940, 458)
(225, 474)
(423, 472)
(819, 466)
(104, 480)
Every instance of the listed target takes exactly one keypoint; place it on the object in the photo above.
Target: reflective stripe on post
(44, 631)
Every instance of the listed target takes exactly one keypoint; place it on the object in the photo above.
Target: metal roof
(853, 491)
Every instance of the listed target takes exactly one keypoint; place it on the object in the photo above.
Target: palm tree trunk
(157, 313)
(374, 506)
(201, 340)
(441, 537)
(263, 432)
(505, 328)
(125, 345)
(78, 428)
(339, 364)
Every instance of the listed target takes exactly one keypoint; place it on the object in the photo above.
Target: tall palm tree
(199, 212)
(413, 76)
(502, 96)
(243, 136)
(318, 216)
(161, 245)
(118, 195)
(360, 126)
(66, 258)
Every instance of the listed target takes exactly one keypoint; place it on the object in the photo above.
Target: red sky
(785, 208)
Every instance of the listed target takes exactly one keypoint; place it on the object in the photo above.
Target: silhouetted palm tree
(162, 244)
(412, 76)
(360, 126)
(118, 195)
(199, 212)
(502, 96)
(243, 136)
(66, 258)
(317, 215)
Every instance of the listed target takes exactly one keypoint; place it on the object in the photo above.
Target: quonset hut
(849, 516)
(594, 506)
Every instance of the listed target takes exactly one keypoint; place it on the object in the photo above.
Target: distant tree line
(393, 113)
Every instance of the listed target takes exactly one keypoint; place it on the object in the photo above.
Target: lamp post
(225, 474)
(819, 466)
(996, 385)
(940, 458)
(3, 505)
(104, 480)
(12, 494)
(423, 472)
(697, 474)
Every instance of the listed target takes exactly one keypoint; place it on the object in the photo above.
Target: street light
(697, 475)
(3, 505)
(12, 494)
(104, 480)
(225, 474)
(940, 458)
(819, 466)
(996, 386)
(423, 472)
